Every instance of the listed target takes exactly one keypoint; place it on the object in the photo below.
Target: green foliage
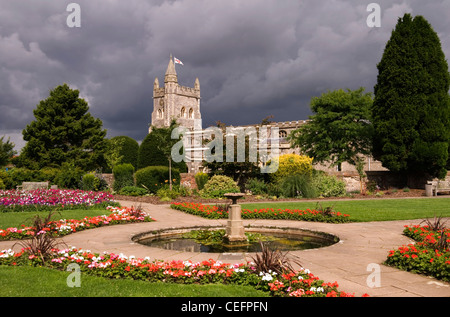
(92, 182)
(153, 153)
(133, 191)
(218, 185)
(20, 175)
(165, 192)
(292, 164)
(64, 131)
(239, 168)
(201, 179)
(6, 151)
(257, 186)
(69, 177)
(340, 128)
(328, 185)
(124, 151)
(298, 185)
(155, 177)
(7, 180)
(2, 185)
(411, 109)
(123, 176)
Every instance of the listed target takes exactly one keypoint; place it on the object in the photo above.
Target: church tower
(174, 101)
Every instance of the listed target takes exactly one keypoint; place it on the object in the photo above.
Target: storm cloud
(254, 58)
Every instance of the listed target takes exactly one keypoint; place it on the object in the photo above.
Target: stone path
(362, 247)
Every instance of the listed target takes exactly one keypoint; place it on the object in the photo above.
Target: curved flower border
(423, 257)
(62, 227)
(301, 283)
(214, 212)
(46, 199)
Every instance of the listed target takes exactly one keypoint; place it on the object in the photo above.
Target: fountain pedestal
(235, 227)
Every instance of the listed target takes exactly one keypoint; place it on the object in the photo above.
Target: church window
(183, 112)
(191, 113)
(282, 134)
(160, 114)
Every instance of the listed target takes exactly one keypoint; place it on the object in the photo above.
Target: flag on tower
(177, 61)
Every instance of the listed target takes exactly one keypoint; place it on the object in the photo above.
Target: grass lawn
(372, 210)
(15, 219)
(45, 282)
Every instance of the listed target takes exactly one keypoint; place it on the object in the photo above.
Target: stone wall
(188, 180)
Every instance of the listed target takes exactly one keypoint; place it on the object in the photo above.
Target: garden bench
(439, 186)
(33, 185)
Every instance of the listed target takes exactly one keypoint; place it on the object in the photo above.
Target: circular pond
(208, 240)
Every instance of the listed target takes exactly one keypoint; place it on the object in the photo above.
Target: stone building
(183, 103)
(175, 101)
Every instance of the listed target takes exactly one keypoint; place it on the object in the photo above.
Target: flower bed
(429, 255)
(301, 283)
(118, 215)
(215, 212)
(41, 200)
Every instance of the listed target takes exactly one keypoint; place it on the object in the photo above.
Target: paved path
(347, 262)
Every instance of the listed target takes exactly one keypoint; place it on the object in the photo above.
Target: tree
(239, 168)
(6, 151)
(156, 148)
(411, 108)
(122, 150)
(64, 131)
(339, 130)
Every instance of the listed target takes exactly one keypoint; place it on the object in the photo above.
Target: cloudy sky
(254, 58)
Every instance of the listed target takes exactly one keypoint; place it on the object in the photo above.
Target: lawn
(372, 210)
(44, 282)
(15, 219)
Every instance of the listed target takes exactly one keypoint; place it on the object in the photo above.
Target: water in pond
(278, 241)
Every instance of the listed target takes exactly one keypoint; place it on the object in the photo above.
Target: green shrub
(6, 179)
(165, 192)
(257, 186)
(48, 174)
(2, 185)
(298, 186)
(219, 185)
(155, 177)
(128, 150)
(123, 176)
(201, 179)
(149, 155)
(90, 182)
(20, 175)
(328, 185)
(133, 191)
(69, 176)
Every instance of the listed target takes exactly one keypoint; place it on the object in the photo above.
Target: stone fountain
(235, 228)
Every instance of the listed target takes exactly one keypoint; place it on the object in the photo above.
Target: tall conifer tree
(64, 131)
(411, 108)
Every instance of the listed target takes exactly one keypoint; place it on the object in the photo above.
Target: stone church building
(183, 103)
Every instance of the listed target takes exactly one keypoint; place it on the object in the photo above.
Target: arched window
(191, 113)
(282, 134)
(183, 112)
(160, 114)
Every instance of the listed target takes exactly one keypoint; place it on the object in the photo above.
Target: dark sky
(254, 58)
